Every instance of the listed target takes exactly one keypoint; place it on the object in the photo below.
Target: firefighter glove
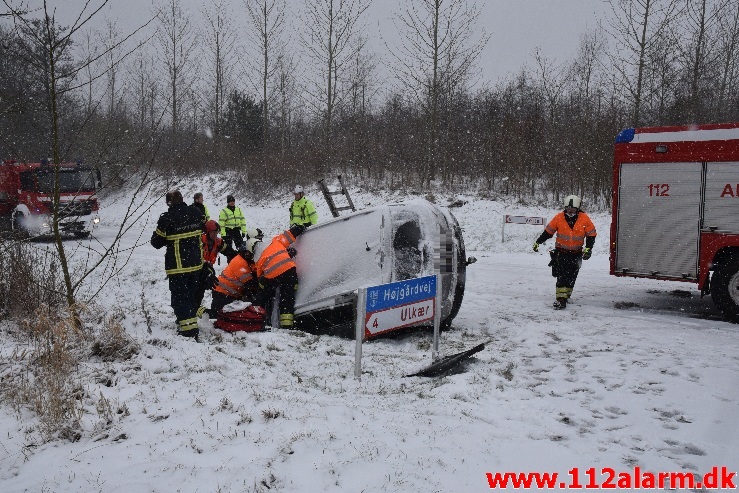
(292, 252)
(536, 247)
(586, 253)
(210, 280)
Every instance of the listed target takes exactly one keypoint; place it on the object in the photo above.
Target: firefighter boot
(286, 320)
(560, 304)
(189, 328)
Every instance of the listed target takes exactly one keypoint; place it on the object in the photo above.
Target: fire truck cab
(676, 208)
(27, 198)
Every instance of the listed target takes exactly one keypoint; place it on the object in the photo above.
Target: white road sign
(536, 221)
(399, 316)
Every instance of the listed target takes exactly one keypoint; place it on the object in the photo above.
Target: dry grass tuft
(43, 379)
(112, 343)
(43, 374)
(30, 279)
(268, 414)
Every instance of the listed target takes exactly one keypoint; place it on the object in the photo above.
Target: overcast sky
(517, 27)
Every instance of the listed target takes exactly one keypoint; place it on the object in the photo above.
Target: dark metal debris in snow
(447, 363)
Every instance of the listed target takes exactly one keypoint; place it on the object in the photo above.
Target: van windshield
(407, 246)
(70, 180)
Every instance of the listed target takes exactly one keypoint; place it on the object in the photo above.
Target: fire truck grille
(74, 209)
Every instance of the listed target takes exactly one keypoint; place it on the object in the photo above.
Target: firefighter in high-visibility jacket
(302, 210)
(574, 229)
(276, 269)
(233, 223)
(238, 281)
(179, 229)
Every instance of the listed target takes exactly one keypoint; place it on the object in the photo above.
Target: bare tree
(285, 87)
(110, 40)
(331, 25)
(442, 44)
(48, 48)
(588, 65)
(700, 61)
(178, 42)
(728, 47)
(635, 27)
(220, 41)
(267, 19)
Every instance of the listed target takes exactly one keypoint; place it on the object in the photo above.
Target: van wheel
(725, 289)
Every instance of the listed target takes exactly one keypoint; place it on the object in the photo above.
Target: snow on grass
(633, 372)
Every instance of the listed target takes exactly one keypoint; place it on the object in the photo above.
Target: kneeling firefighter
(276, 270)
(238, 281)
(574, 228)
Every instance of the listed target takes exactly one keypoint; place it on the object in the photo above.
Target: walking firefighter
(573, 228)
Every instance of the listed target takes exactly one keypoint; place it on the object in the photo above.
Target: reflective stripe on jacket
(275, 260)
(234, 277)
(303, 212)
(231, 219)
(571, 239)
(179, 229)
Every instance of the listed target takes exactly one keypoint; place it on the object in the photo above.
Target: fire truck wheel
(725, 288)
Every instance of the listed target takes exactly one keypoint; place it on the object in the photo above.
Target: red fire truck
(676, 208)
(27, 198)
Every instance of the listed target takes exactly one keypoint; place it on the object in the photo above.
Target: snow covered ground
(633, 373)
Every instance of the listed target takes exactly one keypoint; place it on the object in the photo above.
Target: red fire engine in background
(676, 208)
(27, 198)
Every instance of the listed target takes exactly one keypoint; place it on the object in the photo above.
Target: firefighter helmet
(246, 249)
(251, 244)
(572, 201)
(254, 233)
(211, 226)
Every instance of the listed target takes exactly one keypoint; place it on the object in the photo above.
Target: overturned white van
(376, 246)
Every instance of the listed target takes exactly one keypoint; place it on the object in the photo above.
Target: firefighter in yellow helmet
(574, 229)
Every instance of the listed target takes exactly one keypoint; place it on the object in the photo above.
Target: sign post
(507, 219)
(387, 307)
(437, 320)
(361, 308)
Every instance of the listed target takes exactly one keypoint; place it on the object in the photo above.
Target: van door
(659, 219)
(721, 211)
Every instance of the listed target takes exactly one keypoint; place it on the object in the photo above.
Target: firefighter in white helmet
(574, 229)
(302, 210)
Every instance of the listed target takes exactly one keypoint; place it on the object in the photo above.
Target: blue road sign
(400, 293)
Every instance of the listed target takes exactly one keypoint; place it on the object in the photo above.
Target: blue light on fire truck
(626, 135)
